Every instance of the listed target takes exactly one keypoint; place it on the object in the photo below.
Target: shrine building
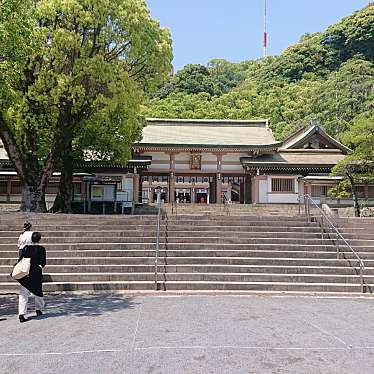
(217, 161)
(204, 162)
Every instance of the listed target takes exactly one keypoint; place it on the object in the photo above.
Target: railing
(308, 201)
(174, 208)
(157, 237)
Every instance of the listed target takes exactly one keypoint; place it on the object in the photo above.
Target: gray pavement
(189, 334)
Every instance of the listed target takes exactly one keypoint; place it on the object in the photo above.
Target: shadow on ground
(72, 305)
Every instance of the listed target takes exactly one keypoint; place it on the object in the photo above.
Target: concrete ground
(189, 334)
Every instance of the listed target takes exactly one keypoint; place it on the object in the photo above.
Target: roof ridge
(204, 122)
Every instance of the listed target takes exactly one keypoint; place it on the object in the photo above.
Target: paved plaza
(189, 334)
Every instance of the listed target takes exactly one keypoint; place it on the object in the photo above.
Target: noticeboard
(103, 192)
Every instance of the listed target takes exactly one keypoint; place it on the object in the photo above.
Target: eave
(148, 147)
(278, 167)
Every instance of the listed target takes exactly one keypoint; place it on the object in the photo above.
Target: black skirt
(33, 282)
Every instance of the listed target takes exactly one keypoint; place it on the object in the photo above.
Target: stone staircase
(252, 253)
(232, 209)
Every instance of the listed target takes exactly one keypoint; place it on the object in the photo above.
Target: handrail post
(362, 279)
(158, 193)
(308, 209)
(337, 247)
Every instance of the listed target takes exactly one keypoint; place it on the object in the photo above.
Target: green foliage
(347, 93)
(219, 77)
(328, 75)
(86, 52)
(360, 137)
(73, 75)
(358, 167)
(340, 191)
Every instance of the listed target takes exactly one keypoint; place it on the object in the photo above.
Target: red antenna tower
(265, 28)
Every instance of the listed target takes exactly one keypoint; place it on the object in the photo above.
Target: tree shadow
(72, 305)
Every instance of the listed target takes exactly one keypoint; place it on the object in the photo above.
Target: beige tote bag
(21, 269)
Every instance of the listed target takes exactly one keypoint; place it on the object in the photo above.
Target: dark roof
(141, 162)
(296, 159)
(300, 137)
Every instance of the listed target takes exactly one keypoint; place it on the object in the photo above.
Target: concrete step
(116, 219)
(214, 277)
(231, 239)
(196, 268)
(13, 235)
(270, 254)
(171, 228)
(191, 260)
(190, 286)
(262, 286)
(5, 249)
(13, 287)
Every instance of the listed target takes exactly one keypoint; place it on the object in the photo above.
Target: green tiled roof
(211, 133)
(297, 157)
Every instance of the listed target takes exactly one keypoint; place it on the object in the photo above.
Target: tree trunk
(62, 203)
(356, 204)
(33, 199)
(26, 165)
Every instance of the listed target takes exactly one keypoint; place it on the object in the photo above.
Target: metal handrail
(157, 238)
(174, 208)
(307, 200)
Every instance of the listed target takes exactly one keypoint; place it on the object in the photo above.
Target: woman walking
(25, 238)
(32, 284)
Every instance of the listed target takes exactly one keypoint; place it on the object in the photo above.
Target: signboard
(195, 162)
(103, 192)
(97, 193)
(128, 188)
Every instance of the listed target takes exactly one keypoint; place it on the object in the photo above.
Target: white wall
(234, 157)
(263, 191)
(238, 168)
(186, 157)
(285, 198)
(209, 157)
(157, 155)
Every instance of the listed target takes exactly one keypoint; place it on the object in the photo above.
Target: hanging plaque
(195, 162)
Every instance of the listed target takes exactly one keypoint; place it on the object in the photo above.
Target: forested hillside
(327, 75)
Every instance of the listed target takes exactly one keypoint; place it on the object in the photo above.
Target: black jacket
(33, 282)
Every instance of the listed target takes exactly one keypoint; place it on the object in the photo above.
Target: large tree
(71, 71)
(358, 167)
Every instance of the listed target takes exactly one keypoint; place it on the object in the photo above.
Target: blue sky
(207, 29)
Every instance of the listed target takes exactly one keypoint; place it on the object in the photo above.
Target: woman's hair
(27, 226)
(36, 236)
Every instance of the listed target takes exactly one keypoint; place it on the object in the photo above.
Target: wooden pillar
(136, 187)
(172, 178)
(140, 198)
(248, 189)
(150, 189)
(213, 191)
(219, 179)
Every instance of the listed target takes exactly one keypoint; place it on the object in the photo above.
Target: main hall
(235, 161)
